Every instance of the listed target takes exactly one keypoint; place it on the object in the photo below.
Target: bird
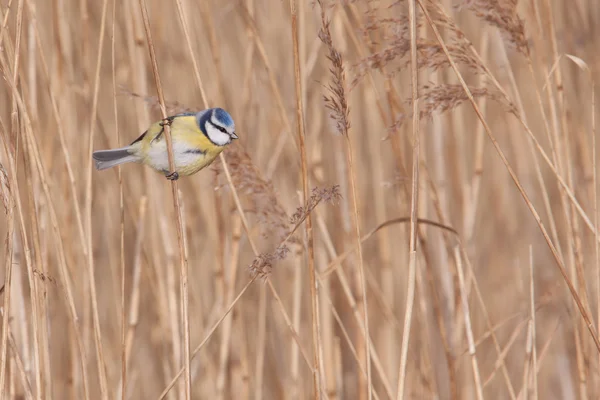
(197, 139)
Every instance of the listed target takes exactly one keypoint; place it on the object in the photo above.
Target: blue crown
(223, 117)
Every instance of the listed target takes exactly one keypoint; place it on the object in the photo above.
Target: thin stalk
(562, 269)
(533, 329)
(174, 190)
(33, 283)
(208, 335)
(121, 211)
(7, 197)
(412, 266)
(314, 289)
(228, 324)
(468, 329)
(261, 339)
(62, 262)
(90, 254)
(134, 305)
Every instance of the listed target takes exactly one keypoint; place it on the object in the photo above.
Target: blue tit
(197, 140)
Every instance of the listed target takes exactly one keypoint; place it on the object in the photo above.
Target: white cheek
(216, 136)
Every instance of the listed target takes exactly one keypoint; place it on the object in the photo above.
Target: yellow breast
(192, 150)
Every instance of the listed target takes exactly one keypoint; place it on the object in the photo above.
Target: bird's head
(217, 125)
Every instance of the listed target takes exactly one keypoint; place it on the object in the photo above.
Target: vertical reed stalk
(101, 363)
(175, 193)
(6, 197)
(562, 269)
(412, 266)
(122, 212)
(314, 288)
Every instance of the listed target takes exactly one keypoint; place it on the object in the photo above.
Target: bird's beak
(234, 136)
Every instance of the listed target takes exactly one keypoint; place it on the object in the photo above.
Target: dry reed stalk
(175, 191)
(346, 335)
(33, 284)
(562, 163)
(475, 185)
(557, 102)
(33, 150)
(296, 318)
(543, 353)
(511, 342)
(262, 302)
(336, 102)
(239, 385)
(468, 329)
(263, 262)
(251, 24)
(596, 214)
(31, 270)
(32, 83)
(336, 263)
(551, 165)
(20, 367)
(57, 116)
(314, 288)
(123, 386)
(426, 361)
(100, 357)
(392, 99)
(261, 337)
(393, 105)
(517, 182)
(8, 203)
(209, 334)
(490, 327)
(134, 305)
(328, 367)
(224, 350)
(533, 327)
(344, 281)
(412, 267)
(380, 108)
(440, 214)
(181, 14)
(60, 122)
(539, 176)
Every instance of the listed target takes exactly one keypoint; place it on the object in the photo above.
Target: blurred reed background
(481, 309)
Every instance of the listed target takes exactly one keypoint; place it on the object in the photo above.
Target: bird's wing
(156, 129)
(140, 138)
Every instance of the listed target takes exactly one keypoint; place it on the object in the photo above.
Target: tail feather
(109, 158)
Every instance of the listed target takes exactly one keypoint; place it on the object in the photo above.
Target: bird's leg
(173, 176)
(166, 121)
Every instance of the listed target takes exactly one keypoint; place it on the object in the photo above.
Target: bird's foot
(173, 176)
(167, 121)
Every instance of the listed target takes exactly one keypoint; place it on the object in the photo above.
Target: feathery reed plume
(503, 15)
(258, 191)
(441, 98)
(263, 263)
(338, 106)
(396, 55)
(336, 100)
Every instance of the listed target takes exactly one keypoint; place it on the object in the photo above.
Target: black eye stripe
(217, 126)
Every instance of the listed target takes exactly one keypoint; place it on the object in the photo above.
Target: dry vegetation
(471, 253)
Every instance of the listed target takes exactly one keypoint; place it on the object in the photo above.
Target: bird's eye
(221, 128)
